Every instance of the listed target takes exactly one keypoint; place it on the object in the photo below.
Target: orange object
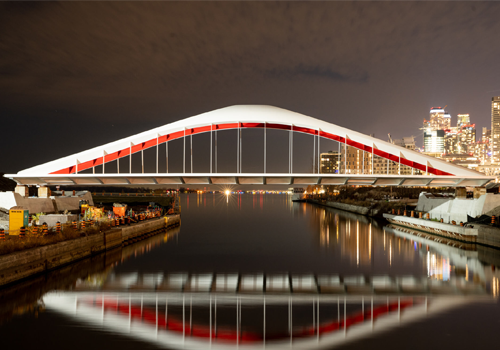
(119, 211)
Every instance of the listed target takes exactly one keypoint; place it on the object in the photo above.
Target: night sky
(78, 75)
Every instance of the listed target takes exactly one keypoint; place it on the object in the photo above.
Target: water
(253, 235)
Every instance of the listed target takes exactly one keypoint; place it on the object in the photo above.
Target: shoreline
(478, 234)
(20, 265)
(357, 209)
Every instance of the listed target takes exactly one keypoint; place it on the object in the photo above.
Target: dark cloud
(136, 65)
(317, 72)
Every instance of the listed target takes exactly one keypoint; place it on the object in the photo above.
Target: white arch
(245, 116)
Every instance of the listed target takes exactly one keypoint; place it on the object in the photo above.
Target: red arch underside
(173, 324)
(227, 126)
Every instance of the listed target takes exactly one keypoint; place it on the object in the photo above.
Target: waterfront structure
(495, 130)
(89, 167)
(329, 162)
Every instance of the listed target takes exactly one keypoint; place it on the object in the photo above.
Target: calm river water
(253, 235)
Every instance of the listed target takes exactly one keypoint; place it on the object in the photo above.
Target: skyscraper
(438, 119)
(495, 130)
(463, 119)
(434, 141)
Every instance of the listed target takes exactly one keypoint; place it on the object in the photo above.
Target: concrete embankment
(348, 207)
(19, 265)
(476, 233)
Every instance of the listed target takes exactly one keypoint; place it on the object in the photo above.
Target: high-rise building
(463, 119)
(452, 140)
(438, 119)
(329, 162)
(467, 138)
(495, 130)
(434, 141)
(354, 161)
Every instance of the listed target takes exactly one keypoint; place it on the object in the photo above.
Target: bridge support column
(460, 192)
(22, 190)
(479, 191)
(43, 192)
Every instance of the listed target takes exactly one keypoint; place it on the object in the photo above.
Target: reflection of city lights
(357, 243)
(384, 240)
(438, 268)
(390, 253)
(370, 243)
(495, 286)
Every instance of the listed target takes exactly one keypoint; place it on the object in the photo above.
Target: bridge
(362, 159)
(200, 321)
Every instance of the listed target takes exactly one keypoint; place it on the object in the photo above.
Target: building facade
(495, 130)
(438, 119)
(434, 141)
(329, 162)
(354, 161)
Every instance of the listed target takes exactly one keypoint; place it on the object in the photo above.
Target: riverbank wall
(473, 234)
(348, 207)
(20, 265)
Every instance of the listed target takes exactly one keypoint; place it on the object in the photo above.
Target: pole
(338, 159)
(129, 159)
(142, 160)
(210, 295)
(215, 150)
(166, 152)
(157, 153)
(363, 162)
(265, 139)
(183, 318)
(289, 153)
(345, 155)
(211, 133)
(238, 149)
(317, 323)
(264, 324)
(345, 318)
(241, 150)
(373, 159)
(291, 160)
(318, 149)
(290, 319)
(314, 152)
(184, 153)
(372, 313)
(191, 142)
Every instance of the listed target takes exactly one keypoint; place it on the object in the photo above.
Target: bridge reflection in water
(199, 320)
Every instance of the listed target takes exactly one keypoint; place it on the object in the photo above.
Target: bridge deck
(248, 179)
